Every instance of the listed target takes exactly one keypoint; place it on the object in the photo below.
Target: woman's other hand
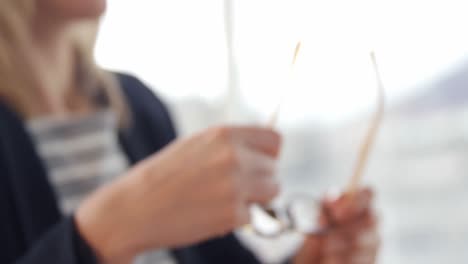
(352, 237)
(195, 189)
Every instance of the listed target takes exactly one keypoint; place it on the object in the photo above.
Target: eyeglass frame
(288, 225)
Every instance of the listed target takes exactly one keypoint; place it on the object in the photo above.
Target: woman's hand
(196, 188)
(352, 237)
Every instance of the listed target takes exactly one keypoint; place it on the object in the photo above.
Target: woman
(68, 129)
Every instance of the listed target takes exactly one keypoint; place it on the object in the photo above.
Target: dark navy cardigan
(32, 229)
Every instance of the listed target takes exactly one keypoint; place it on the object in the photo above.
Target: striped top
(82, 154)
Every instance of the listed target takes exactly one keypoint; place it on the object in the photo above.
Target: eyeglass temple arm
(368, 142)
(274, 117)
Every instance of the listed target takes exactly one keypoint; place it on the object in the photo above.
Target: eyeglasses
(301, 213)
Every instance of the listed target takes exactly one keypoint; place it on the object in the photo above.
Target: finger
(351, 255)
(336, 244)
(354, 237)
(350, 201)
(367, 221)
(254, 163)
(343, 243)
(367, 242)
(363, 257)
(262, 191)
(333, 259)
(256, 174)
(232, 217)
(357, 258)
(347, 207)
(260, 139)
(311, 250)
(243, 215)
(341, 247)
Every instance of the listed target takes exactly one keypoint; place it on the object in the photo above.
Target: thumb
(259, 139)
(311, 251)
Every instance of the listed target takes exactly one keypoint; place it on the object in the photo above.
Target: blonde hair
(17, 74)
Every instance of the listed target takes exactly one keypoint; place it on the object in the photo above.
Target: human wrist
(99, 222)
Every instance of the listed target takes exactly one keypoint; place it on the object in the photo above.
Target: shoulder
(7, 114)
(136, 92)
(11, 125)
(148, 111)
(140, 98)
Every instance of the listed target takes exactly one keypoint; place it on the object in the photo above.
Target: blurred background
(228, 62)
